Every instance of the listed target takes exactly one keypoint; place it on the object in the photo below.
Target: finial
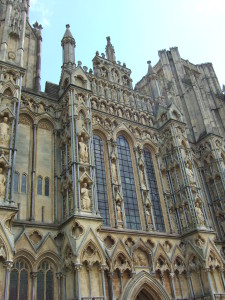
(108, 39)
(67, 26)
(149, 62)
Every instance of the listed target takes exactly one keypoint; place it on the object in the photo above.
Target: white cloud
(42, 12)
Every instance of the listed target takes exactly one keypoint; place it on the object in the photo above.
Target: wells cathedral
(108, 191)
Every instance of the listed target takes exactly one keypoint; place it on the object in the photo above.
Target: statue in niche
(119, 211)
(83, 151)
(94, 88)
(113, 94)
(125, 98)
(128, 115)
(182, 217)
(16, 23)
(120, 114)
(103, 73)
(187, 211)
(190, 174)
(148, 213)
(94, 105)
(114, 172)
(143, 120)
(135, 117)
(101, 90)
(107, 92)
(173, 219)
(102, 106)
(111, 110)
(115, 76)
(142, 178)
(85, 197)
(199, 213)
(2, 184)
(4, 133)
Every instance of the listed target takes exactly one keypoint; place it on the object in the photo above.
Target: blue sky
(138, 29)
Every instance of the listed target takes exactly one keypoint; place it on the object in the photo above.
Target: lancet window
(45, 282)
(39, 185)
(101, 180)
(128, 184)
(19, 281)
(47, 186)
(154, 193)
(16, 182)
(24, 183)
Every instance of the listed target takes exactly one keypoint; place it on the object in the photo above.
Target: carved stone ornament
(109, 241)
(140, 258)
(85, 197)
(2, 184)
(83, 150)
(76, 230)
(4, 133)
(35, 237)
(121, 263)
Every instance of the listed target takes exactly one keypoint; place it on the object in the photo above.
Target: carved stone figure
(4, 133)
(85, 198)
(199, 213)
(190, 174)
(148, 214)
(182, 217)
(114, 173)
(83, 151)
(2, 184)
(173, 220)
(107, 92)
(94, 88)
(120, 114)
(142, 179)
(119, 211)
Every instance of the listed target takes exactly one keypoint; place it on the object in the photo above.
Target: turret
(68, 44)
(109, 49)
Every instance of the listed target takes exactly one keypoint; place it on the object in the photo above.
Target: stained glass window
(101, 180)
(24, 184)
(154, 193)
(16, 182)
(39, 185)
(46, 187)
(128, 185)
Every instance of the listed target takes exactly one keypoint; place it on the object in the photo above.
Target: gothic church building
(108, 190)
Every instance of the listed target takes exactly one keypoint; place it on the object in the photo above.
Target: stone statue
(94, 89)
(111, 110)
(2, 184)
(83, 151)
(114, 173)
(148, 214)
(142, 180)
(4, 133)
(182, 217)
(120, 114)
(85, 198)
(119, 211)
(173, 220)
(190, 173)
(199, 213)
(107, 92)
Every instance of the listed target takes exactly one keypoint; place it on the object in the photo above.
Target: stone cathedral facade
(108, 190)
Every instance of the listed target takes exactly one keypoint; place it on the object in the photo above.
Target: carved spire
(109, 49)
(68, 43)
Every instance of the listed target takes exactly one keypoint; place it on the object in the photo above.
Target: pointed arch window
(18, 288)
(47, 186)
(39, 185)
(16, 182)
(154, 193)
(24, 183)
(45, 282)
(101, 180)
(128, 184)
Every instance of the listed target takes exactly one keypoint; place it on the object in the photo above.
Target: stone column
(110, 281)
(55, 178)
(121, 282)
(102, 269)
(33, 276)
(8, 266)
(207, 270)
(173, 285)
(162, 277)
(188, 275)
(89, 279)
(200, 280)
(59, 276)
(222, 278)
(181, 290)
(78, 268)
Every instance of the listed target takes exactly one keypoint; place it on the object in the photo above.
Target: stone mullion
(15, 141)
(172, 189)
(58, 276)
(201, 284)
(173, 285)
(142, 193)
(10, 153)
(188, 276)
(200, 192)
(72, 126)
(222, 278)
(61, 181)
(92, 162)
(33, 172)
(113, 191)
(102, 269)
(77, 159)
(185, 178)
(164, 192)
(78, 290)
(180, 286)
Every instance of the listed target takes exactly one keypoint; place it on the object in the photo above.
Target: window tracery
(19, 281)
(128, 184)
